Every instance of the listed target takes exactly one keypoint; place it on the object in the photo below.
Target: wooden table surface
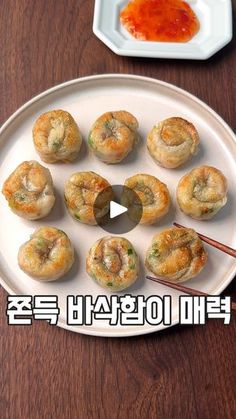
(47, 372)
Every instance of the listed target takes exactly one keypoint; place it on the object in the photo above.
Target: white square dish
(215, 32)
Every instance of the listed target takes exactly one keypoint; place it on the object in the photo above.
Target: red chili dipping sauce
(160, 20)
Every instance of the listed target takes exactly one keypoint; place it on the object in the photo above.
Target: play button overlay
(117, 209)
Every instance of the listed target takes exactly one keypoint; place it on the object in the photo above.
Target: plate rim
(109, 76)
(129, 52)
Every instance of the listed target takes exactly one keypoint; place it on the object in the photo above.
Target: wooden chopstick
(182, 288)
(214, 243)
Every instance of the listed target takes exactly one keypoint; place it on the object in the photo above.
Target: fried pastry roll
(152, 193)
(113, 136)
(176, 254)
(202, 192)
(113, 263)
(81, 192)
(48, 255)
(29, 190)
(57, 137)
(172, 142)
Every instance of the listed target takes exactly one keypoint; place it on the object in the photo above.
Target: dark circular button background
(122, 223)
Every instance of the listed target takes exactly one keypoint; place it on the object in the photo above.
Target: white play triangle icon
(116, 209)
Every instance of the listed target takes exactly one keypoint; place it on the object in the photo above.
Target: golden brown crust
(113, 263)
(48, 255)
(153, 194)
(113, 136)
(172, 142)
(56, 136)
(176, 254)
(29, 190)
(201, 193)
(81, 191)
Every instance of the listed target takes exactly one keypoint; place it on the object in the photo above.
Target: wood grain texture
(46, 372)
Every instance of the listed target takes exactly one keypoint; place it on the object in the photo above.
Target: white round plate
(150, 101)
(215, 32)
